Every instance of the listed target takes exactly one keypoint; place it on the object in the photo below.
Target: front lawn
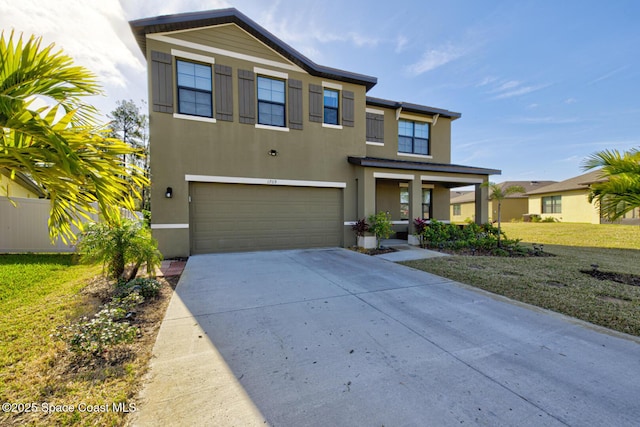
(575, 234)
(557, 283)
(39, 293)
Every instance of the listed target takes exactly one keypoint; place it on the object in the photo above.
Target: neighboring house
(514, 206)
(463, 206)
(21, 186)
(566, 200)
(254, 146)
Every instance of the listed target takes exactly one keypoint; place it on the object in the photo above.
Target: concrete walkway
(406, 252)
(333, 337)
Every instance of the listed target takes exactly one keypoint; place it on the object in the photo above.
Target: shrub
(360, 227)
(110, 326)
(419, 225)
(380, 226)
(116, 245)
(472, 236)
(92, 337)
(147, 287)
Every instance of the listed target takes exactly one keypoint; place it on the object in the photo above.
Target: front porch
(407, 190)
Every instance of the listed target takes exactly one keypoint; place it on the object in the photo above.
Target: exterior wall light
(169, 193)
(273, 153)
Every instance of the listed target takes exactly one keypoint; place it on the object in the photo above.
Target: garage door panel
(237, 217)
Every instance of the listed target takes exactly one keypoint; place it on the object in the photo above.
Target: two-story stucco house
(254, 146)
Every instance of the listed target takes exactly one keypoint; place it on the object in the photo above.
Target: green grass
(39, 293)
(575, 234)
(556, 283)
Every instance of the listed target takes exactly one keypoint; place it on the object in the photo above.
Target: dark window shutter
(375, 127)
(161, 82)
(347, 108)
(315, 103)
(246, 96)
(224, 93)
(295, 104)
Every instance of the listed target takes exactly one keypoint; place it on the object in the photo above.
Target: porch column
(415, 203)
(482, 204)
(368, 193)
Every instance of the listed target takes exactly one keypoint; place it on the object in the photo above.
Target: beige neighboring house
(514, 206)
(463, 206)
(19, 187)
(568, 201)
(254, 146)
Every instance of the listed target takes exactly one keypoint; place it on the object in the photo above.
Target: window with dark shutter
(224, 93)
(161, 82)
(247, 96)
(348, 109)
(271, 101)
(194, 88)
(331, 106)
(315, 103)
(295, 104)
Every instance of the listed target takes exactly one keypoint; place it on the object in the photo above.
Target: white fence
(23, 228)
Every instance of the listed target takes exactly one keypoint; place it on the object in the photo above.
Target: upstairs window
(271, 102)
(331, 106)
(413, 137)
(194, 89)
(552, 204)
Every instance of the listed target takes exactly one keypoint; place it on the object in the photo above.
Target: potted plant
(417, 238)
(364, 240)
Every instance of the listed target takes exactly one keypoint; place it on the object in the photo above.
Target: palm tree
(60, 145)
(619, 190)
(499, 192)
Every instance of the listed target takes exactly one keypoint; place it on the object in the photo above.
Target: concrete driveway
(335, 338)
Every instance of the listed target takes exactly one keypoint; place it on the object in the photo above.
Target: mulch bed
(624, 278)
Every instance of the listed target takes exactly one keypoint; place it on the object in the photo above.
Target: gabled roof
(185, 21)
(411, 108)
(580, 182)
(458, 196)
(527, 185)
(470, 197)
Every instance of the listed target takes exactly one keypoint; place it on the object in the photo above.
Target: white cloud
(401, 43)
(570, 101)
(487, 80)
(434, 58)
(91, 33)
(608, 75)
(551, 120)
(512, 88)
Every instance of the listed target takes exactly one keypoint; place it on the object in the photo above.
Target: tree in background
(52, 135)
(129, 124)
(619, 190)
(497, 192)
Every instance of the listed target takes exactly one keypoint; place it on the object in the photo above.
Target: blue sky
(540, 84)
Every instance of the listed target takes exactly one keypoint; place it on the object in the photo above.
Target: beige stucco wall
(575, 207)
(467, 211)
(511, 209)
(10, 188)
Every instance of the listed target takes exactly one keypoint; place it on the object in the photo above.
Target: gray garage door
(238, 217)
